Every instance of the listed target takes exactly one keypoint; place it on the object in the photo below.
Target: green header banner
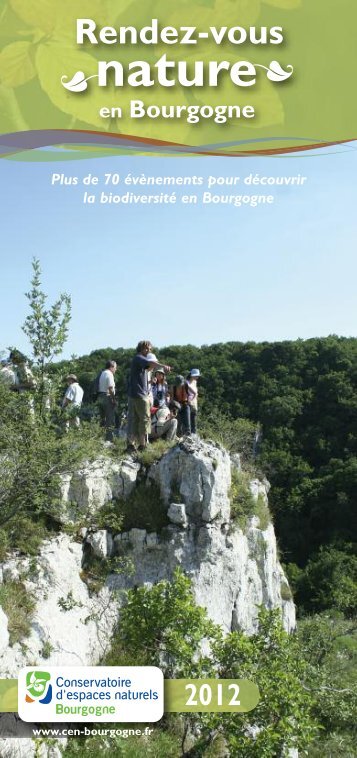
(207, 77)
(8, 696)
(181, 695)
(210, 695)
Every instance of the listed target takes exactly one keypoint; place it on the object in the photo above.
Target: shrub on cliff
(33, 452)
(163, 626)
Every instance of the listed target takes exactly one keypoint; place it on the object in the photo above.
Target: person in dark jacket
(139, 418)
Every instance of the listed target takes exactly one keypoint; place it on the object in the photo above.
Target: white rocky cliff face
(68, 626)
(84, 492)
(232, 571)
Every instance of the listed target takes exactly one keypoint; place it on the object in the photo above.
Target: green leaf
(37, 13)
(16, 66)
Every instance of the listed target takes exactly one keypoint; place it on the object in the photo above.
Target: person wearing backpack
(94, 387)
(180, 395)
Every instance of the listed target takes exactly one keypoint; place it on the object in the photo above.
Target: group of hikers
(155, 410)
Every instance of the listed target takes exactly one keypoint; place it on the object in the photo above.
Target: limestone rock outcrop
(86, 491)
(233, 569)
(200, 474)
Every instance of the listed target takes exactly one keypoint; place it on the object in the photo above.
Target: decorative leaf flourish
(51, 61)
(277, 74)
(78, 83)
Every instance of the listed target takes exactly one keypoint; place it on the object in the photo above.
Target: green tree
(329, 646)
(283, 718)
(163, 626)
(45, 327)
(33, 454)
(330, 581)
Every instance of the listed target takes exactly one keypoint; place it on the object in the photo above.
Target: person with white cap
(164, 420)
(192, 391)
(139, 419)
(72, 401)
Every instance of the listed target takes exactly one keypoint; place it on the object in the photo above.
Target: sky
(179, 274)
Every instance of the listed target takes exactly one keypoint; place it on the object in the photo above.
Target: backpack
(180, 394)
(94, 388)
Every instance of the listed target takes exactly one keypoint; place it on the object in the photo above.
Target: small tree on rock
(46, 328)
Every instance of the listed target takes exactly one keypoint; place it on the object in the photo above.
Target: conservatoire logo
(81, 693)
(38, 687)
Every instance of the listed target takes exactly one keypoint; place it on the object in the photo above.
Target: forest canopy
(302, 395)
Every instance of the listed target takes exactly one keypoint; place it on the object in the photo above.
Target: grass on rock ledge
(18, 605)
(154, 451)
(243, 505)
(143, 509)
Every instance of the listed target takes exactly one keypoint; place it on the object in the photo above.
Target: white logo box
(91, 693)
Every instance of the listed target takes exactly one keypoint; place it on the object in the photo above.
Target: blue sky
(184, 274)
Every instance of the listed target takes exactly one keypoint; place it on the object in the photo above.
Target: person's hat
(195, 372)
(72, 377)
(179, 380)
(160, 371)
(151, 357)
